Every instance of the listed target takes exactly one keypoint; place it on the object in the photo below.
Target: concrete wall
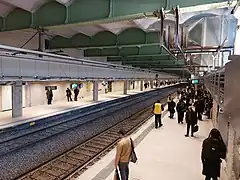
(34, 93)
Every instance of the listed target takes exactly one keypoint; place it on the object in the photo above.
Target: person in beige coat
(122, 158)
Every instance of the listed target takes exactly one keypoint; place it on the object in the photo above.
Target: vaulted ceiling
(120, 30)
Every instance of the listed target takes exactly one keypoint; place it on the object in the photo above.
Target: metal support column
(17, 99)
(95, 90)
(125, 87)
(0, 98)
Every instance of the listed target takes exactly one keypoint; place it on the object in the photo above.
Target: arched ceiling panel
(132, 36)
(125, 7)
(80, 40)
(88, 30)
(43, 18)
(18, 19)
(60, 42)
(105, 38)
(82, 10)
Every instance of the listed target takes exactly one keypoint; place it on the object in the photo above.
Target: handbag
(133, 156)
(195, 128)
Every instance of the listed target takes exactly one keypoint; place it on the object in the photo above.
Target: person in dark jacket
(49, 95)
(181, 108)
(199, 108)
(213, 150)
(191, 120)
(171, 108)
(69, 94)
(76, 92)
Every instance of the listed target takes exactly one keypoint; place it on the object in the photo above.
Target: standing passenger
(122, 158)
(49, 95)
(171, 108)
(76, 92)
(157, 111)
(213, 150)
(191, 120)
(181, 108)
(69, 94)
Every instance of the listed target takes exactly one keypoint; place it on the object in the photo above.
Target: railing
(40, 65)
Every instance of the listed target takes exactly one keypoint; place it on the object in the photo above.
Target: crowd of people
(192, 105)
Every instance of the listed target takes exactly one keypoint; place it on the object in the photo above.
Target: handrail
(95, 63)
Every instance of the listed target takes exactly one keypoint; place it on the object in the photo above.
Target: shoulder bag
(133, 156)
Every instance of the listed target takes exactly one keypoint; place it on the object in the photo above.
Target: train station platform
(163, 154)
(41, 111)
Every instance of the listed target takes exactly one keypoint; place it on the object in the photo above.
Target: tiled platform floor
(164, 154)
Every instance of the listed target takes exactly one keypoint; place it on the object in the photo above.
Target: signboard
(195, 81)
(51, 87)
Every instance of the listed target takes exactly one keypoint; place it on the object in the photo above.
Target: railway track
(75, 161)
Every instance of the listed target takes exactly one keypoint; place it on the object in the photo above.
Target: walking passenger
(157, 111)
(49, 95)
(181, 108)
(213, 150)
(123, 153)
(191, 120)
(171, 108)
(69, 94)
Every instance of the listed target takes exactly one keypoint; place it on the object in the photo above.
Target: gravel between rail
(75, 161)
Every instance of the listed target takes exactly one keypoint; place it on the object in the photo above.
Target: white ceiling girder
(64, 32)
(88, 30)
(28, 5)
(117, 27)
(190, 27)
(5, 8)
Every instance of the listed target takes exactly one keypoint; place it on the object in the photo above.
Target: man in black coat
(191, 120)
(181, 108)
(213, 150)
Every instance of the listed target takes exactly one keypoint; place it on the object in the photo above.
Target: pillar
(17, 99)
(125, 87)
(0, 98)
(141, 85)
(128, 85)
(28, 95)
(151, 84)
(95, 90)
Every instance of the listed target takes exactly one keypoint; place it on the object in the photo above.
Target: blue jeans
(124, 170)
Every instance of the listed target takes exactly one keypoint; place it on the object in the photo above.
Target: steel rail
(78, 158)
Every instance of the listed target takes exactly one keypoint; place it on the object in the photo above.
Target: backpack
(212, 151)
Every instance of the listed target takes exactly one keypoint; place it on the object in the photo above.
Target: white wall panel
(10, 66)
(56, 67)
(27, 68)
(54, 70)
(73, 71)
(42, 68)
